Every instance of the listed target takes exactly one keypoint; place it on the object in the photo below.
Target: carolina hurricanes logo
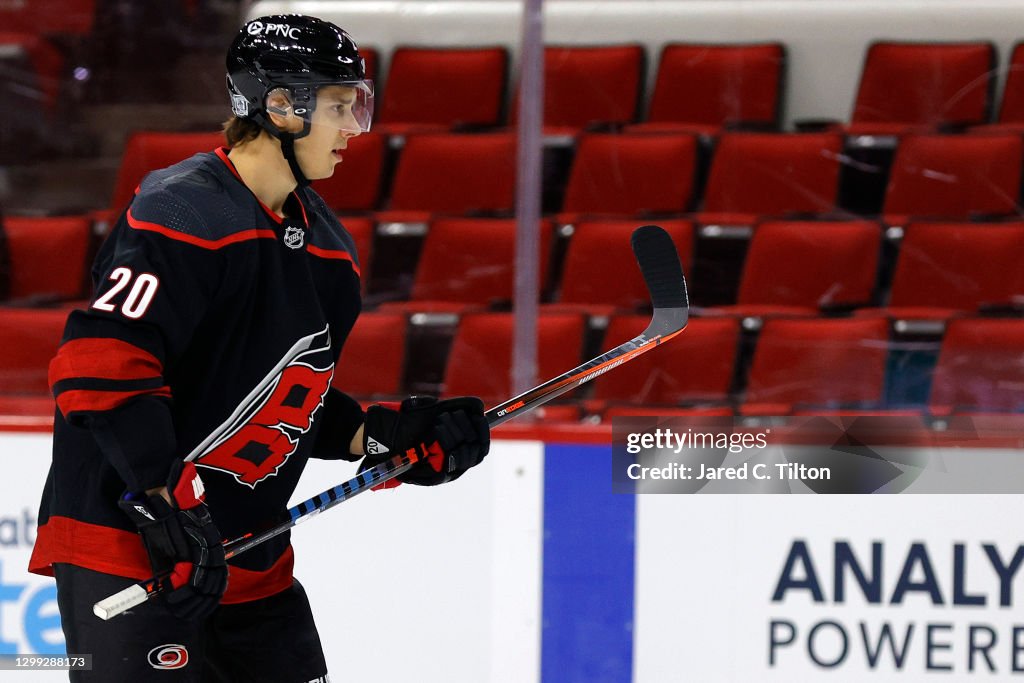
(168, 656)
(255, 442)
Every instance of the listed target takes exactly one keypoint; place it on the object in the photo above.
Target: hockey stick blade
(659, 263)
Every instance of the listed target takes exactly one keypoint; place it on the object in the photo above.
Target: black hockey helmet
(295, 54)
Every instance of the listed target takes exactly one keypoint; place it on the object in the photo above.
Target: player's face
(333, 125)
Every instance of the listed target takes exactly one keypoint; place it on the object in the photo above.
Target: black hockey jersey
(212, 336)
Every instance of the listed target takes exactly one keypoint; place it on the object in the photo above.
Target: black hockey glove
(184, 546)
(451, 435)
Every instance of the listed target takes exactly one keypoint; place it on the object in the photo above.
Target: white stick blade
(119, 602)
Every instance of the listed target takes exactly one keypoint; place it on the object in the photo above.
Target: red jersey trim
(246, 585)
(242, 236)
(121, 553)
(101, 548)
(333, 254)
(103, 359)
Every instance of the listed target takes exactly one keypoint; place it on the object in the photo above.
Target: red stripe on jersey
(333, 253)
(242, 236)
(87, 400)
(103, 549)
(103, 359)
(246, 585)
(121, 553)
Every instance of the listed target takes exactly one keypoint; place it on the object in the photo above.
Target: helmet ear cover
(302, 103)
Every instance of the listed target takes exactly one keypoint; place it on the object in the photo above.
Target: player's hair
(239, 131)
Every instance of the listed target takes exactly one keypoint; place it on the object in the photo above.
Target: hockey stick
(656, 255)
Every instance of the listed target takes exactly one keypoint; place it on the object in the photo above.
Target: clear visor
(344, 106)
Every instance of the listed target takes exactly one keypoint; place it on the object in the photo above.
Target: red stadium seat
(831, 363)
(587, 86)
(703, 88)
(46, 61)
(980, 367)
(468, 261)
(803, 267)
(356, 183)
(771, 174)
(915, 85)
(28, 341)
(443, 88)
(481, 354)
(600, 271)
(631, 174)
(150, 150)
(456, 174)
(954, 177)
(49, 257)
(949, 268)
(696, 367)
(372, 360)
(52, 17)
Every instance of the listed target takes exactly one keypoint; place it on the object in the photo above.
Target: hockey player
(196, 385)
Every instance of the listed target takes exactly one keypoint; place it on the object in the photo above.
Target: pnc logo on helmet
(255, 28)
(169, 656)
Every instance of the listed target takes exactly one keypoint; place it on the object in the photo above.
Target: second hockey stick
(659, 263)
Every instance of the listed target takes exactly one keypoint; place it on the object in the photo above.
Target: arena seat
(600, 272)
(372, 360)
(828, 363)
(49, 257)
(481, 354)
(443, 88)
(587, 86)
(923, 85)
(980, 367)
(470, 261)
(54, 17)
(455, 174)
(695, 368)
(147, 151)
(705, 88)
(771, 175)
(29, 338)
(954, 177)
(357, 181)
(46, 61)
(949, 268)
(631, 174)
(805, 267)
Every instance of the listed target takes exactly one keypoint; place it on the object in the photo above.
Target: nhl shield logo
(294, 237)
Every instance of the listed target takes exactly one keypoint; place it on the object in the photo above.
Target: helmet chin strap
(288, 150)
(287, 141)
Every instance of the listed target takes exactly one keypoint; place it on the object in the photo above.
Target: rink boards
(530, 569)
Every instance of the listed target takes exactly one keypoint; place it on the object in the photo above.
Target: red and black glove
(452, 436)
(184, 546)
